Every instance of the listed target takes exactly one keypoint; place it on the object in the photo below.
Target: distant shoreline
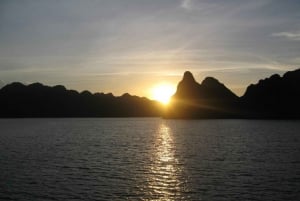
(272, 98)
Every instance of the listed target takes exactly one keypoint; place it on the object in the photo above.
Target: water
(149, 159)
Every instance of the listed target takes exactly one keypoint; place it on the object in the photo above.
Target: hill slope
(274, 97)
(210, 99)
(37, 100)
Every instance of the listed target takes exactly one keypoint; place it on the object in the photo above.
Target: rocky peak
(187, 87)
(210, 81)
(188, 77)
(210, 88)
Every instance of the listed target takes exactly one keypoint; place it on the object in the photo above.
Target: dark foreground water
(149, 159)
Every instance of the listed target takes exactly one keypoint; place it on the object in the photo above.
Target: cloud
(229, 6)
(288, 35)
(186, 4)
(197, 5)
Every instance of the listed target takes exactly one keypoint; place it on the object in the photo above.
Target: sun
(163, 92)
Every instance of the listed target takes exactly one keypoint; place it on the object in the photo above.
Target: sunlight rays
(163, 92)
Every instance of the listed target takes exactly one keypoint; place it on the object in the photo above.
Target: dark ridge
(187, 87)
(273, 97)
(210, 99)
(188, 77)
(213, 89)
(37, 100)
(15, 86)
(210, 81)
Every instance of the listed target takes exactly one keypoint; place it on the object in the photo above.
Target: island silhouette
(271, 98)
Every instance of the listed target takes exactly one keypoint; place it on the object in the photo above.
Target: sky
(130, 46)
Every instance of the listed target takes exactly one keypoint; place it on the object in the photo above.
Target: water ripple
(149, 159)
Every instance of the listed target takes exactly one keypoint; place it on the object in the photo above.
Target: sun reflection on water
(164, 180)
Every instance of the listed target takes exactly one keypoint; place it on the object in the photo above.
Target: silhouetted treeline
(37, 100)
(274, 97)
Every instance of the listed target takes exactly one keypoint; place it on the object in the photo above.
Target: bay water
(149, 159)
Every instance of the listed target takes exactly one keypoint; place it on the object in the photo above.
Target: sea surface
(149, 159)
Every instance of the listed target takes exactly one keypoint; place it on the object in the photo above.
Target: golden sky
(131, 46)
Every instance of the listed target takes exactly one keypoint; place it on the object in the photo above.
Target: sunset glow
(163, 92)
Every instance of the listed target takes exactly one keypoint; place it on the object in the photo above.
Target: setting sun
(163, 92)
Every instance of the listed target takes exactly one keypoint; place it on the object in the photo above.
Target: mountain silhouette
(37, 100)
(210, 99)
(274, 97)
